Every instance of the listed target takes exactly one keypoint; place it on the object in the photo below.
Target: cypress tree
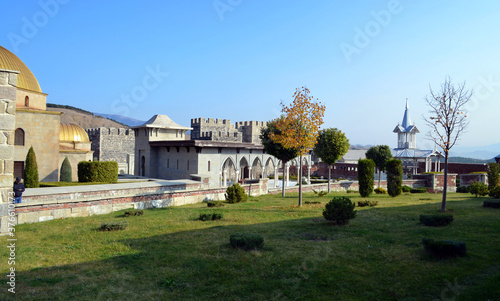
(493, 175)
(31, 170)
(366, 170)
(66, 171)
(394, 177)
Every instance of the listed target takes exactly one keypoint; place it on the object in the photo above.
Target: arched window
(19, 137)
(27, 101)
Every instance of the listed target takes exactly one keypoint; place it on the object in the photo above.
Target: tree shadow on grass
(378, 255)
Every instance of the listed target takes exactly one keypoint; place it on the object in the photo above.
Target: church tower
(406, 131)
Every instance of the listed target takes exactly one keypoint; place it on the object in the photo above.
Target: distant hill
(83, 118)
(359, 146)
(122, 119)
(468, 160)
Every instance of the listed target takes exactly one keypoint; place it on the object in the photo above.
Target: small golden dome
(25, 79)
(72, 133)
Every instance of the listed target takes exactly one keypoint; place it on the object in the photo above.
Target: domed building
(42, 129)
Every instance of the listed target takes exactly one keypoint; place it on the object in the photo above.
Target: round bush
(339, 210)
(479, 189)
(235, 193)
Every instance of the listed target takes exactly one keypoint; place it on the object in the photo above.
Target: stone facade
(223, 130)
(41, 130)
(8, 83)
(114, 144)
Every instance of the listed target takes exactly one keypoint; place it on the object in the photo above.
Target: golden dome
(25, 79)
(72, 133)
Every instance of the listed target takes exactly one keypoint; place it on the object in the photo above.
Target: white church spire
(406, 118)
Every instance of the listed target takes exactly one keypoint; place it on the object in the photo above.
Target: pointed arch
(257, 168)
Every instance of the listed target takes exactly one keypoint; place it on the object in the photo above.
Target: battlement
(109, 131)
(250, 123)
(209, 121)
(223, 130)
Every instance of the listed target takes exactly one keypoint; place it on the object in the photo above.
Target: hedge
(96, 171)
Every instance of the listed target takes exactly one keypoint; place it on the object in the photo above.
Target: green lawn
(167, 254)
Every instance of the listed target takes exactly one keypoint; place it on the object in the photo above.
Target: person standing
(18, 190)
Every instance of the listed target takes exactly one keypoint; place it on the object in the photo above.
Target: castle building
(407, 150)
(114, 144)
(218, 150)
(41, 129)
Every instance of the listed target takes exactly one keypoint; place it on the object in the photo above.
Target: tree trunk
(445, 185)
(379, 174)
(329, 169)
(283, 181)
(300, 181)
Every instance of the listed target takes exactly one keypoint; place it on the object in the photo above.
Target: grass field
(167, 254)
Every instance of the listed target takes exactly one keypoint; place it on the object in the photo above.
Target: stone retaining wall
(344, 186)
(44, 204)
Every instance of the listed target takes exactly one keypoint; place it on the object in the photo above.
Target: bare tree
(447, 120)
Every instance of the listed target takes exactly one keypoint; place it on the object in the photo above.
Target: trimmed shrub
(246, 241)
(495, 193)
(492, 204)
(215, 204)
(66, 171)
(463, 189)
(96, 171)
(134, 212)
(436, 220)
(113, 226)
(394, 177)
(380, 190)
(478, 189)
(339, 210)
(235, 194)
(365, 203)
(312, 202)
(366, 170)
(418, 190)
(31, 170)
(406, 188)
(320, 193)
(444, 248)
(210, 216)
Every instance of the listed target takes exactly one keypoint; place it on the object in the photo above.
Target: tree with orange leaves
(447, 120)
(300, 126)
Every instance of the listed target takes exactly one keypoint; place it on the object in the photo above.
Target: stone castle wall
(223, 130)
(251, 130)
(114, 144)
(8, 83)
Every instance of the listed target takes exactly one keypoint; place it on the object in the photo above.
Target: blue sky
(237, 59)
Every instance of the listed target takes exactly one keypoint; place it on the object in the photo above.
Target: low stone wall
(435, 182)
(44, 204)
(468, 179)
(344, 186)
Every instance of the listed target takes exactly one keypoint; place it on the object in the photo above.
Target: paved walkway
(103, 187)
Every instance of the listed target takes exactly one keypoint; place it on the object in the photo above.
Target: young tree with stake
(447, 120)
(300, 125)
